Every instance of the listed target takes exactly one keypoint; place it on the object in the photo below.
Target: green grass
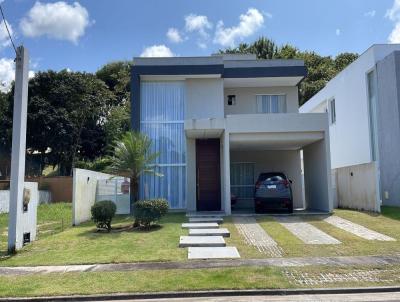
(141, 281)
(82, 244)
(351, 245)
(184, 280)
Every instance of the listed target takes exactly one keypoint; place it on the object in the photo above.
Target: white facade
(254, 118)
(359, 126)
(350, 136)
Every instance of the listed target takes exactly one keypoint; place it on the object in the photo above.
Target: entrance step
(206, 219)
(201, 241)
(228, 252)
(200, 225)
(210, 232)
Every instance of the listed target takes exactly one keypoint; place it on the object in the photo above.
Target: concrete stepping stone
(206, 219)
(228, 252)
(306, 232)
(210, 232)
(201, 241)
(254, 235)
(200, 225)
(356, 229)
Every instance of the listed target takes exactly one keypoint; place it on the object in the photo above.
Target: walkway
(199, 264)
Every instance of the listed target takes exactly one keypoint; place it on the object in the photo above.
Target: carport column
(227, 174)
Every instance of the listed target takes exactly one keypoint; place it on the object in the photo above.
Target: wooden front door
(208, 176)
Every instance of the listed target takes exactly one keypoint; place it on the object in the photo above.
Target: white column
(227, 174)
(15, 232)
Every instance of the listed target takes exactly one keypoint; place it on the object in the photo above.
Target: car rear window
(271, 177)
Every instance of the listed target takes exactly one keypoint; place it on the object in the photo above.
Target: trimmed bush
(148, 212)
(103, 213)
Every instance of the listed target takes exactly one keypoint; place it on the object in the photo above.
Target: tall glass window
(162, 110)
(271, 103)
(372, 101)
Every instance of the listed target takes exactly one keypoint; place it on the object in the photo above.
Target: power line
(8, 31)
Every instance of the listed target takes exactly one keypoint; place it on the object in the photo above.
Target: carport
(258, 144)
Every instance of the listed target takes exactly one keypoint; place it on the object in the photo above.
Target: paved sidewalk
(199, 264)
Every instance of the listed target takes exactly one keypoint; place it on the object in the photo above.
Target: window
(372, 100)
(162, 119)
(242, 180)
(332, 110)
(231, 100)
(271, 103)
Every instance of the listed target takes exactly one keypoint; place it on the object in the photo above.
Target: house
(363, 105)
(219, 121)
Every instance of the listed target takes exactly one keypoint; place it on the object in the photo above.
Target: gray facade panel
(388, 116)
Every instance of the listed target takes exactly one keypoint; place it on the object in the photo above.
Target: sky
(83, 35)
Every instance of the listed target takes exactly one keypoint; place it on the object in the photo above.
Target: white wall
(350, 136)
(246, 98)
(287, 161)
(84, 193)
(204, 98)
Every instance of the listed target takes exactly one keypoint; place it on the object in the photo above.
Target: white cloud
(7, 73)
(370, 13)
(58, 20)
(249, 23)
(174, 35)
(157, 51)
(4, 39)
(197, 23)
(338, 32)
(393, 14)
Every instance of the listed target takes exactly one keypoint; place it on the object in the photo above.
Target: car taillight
(285, 182)
(258, 184)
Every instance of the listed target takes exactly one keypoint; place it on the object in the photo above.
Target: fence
(110, 189)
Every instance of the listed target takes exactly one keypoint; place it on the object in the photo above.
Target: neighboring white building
(363, 106)
(219, 121)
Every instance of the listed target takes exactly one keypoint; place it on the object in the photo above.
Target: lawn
(387, 223)
(58, 243)
(82, 244)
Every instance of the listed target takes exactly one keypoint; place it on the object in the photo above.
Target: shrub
(102, 214)
(149, 211)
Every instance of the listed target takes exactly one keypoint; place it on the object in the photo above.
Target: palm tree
(131, 158)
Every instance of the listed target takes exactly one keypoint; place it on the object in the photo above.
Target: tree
(132, 157)
(344, 59)
(320, 69)
(66, 114)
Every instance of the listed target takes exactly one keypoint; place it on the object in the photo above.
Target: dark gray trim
(178, 69)
(261, 72)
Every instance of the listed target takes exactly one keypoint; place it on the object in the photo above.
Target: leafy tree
(65, 115)
(320, 69)
(344, 59)
(132, 157)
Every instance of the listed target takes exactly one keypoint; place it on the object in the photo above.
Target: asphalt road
(395, 296)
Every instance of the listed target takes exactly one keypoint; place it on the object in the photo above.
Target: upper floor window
(231, 100)
(332, 110)
(270, 103)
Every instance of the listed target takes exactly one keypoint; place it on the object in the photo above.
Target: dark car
(273, 193)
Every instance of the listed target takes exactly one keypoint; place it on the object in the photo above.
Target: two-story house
(219, 121)
(363, 103)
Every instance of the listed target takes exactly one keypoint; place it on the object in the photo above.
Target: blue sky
(84, 35)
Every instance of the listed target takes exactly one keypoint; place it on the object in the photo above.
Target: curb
(216, 293)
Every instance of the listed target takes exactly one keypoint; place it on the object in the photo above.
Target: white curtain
(271, 103)
(162, 120)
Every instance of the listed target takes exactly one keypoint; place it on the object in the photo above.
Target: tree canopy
(321, 69)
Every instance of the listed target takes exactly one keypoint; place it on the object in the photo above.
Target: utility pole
(15, 232)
